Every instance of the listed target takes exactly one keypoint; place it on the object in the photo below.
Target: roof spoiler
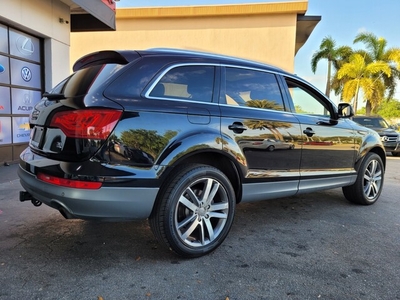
(105, 57)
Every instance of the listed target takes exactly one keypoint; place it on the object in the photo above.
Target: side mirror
(345, 110)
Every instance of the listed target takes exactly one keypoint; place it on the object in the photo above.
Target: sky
(340, 19)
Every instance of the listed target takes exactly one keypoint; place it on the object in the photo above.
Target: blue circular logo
(2, 69)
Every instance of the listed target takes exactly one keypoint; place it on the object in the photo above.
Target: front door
(253, 118)
(328, 145)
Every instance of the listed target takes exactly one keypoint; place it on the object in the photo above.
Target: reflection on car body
(266, 144)
(136, 155)
(318, 143)
(120, 148)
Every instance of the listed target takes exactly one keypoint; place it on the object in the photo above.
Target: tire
(195, 211)
(271, 148)
(395, 153)
(368, 186)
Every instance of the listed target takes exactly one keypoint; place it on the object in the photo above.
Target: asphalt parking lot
(314, 246)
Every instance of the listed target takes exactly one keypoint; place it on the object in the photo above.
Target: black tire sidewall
(355, 193)
(374, 156)
(187, 177)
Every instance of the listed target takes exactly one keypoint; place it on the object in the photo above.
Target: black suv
(182, 137)
(389, 136)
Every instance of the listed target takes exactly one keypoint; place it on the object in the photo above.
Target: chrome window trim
(226, 65)
(158, 78)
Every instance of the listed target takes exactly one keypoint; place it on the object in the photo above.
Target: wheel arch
(371, 143)
(381, 153)
(211, 157)
(378, 150)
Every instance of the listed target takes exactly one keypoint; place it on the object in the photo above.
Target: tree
(360, 75)
(272, 126)
(377, 52)
(328, 50)
(390, 109)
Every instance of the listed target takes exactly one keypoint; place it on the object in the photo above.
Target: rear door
(173, 115)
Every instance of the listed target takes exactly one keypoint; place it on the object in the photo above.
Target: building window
(20, 87)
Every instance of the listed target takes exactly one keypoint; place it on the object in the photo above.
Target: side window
(252, 88)
(186, 82)
(305, 102)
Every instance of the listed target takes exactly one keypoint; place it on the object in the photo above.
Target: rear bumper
(110, 203)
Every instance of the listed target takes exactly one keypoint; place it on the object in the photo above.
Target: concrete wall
(262, 32)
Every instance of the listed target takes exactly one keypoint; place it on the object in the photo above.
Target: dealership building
(41, 39)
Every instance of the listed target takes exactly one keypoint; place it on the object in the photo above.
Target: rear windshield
(83, 80)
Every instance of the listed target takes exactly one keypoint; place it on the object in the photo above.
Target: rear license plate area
(36, 136)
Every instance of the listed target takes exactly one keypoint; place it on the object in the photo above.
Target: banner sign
(25, 74)
(24, 45)
(23, 101)
(5, 107)
(21, 130)
(5, 130)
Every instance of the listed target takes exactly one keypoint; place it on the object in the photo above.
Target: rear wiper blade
(54, 96)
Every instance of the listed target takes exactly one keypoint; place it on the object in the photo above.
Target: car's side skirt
(272, 190)
(326, 183)
(269, 190)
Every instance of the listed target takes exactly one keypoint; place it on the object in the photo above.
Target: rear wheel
(368, 186)
(195, 210)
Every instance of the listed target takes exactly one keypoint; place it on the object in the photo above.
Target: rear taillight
(86, 124)
(91, 185)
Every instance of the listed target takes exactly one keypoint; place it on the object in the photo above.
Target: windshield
(372, 122)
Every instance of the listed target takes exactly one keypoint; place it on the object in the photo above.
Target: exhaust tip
(65, 213)
(36, 202)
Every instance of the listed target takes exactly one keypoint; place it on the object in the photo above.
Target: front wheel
(369, 183)
(195, 210)
(271, 148)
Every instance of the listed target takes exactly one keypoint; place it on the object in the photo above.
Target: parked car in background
(156, 134)
(388, 134)
(266, 144)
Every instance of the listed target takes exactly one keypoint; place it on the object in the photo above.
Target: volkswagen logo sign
(26, 74)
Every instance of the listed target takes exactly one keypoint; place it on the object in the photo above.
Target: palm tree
(272, 126)
(357, 74)
(377, 51)
(328, 50)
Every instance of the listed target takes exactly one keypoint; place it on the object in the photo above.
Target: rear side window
(253, 89)
(186, 82)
